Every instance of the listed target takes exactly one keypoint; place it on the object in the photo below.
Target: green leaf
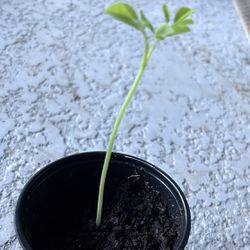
(146, 22)
(166, 12)
(124, 13)
(163, 31)
(183, 13)
(186, 22)
(179, 29)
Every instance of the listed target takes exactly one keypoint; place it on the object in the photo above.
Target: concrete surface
(64, 69)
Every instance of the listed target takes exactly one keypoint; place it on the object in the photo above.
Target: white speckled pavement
(64, 70)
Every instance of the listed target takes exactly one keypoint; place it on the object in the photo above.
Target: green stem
(152, 49)
(146, 56)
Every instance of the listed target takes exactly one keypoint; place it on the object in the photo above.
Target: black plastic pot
(55, 197)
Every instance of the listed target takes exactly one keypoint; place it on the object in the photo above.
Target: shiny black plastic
(55, 197)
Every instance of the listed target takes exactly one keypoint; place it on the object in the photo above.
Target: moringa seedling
(152, 36)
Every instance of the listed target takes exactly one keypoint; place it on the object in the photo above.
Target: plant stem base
(136, 219)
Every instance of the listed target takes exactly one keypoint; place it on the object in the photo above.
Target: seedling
(152, 36)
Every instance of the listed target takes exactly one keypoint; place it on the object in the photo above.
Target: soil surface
(137, 219)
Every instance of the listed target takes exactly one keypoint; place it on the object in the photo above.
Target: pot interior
(54, 199)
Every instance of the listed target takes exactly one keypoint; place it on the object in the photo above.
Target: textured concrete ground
(64, 69)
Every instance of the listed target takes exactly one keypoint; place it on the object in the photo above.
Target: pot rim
(186, 211)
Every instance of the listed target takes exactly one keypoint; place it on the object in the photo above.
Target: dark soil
(137, 220)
